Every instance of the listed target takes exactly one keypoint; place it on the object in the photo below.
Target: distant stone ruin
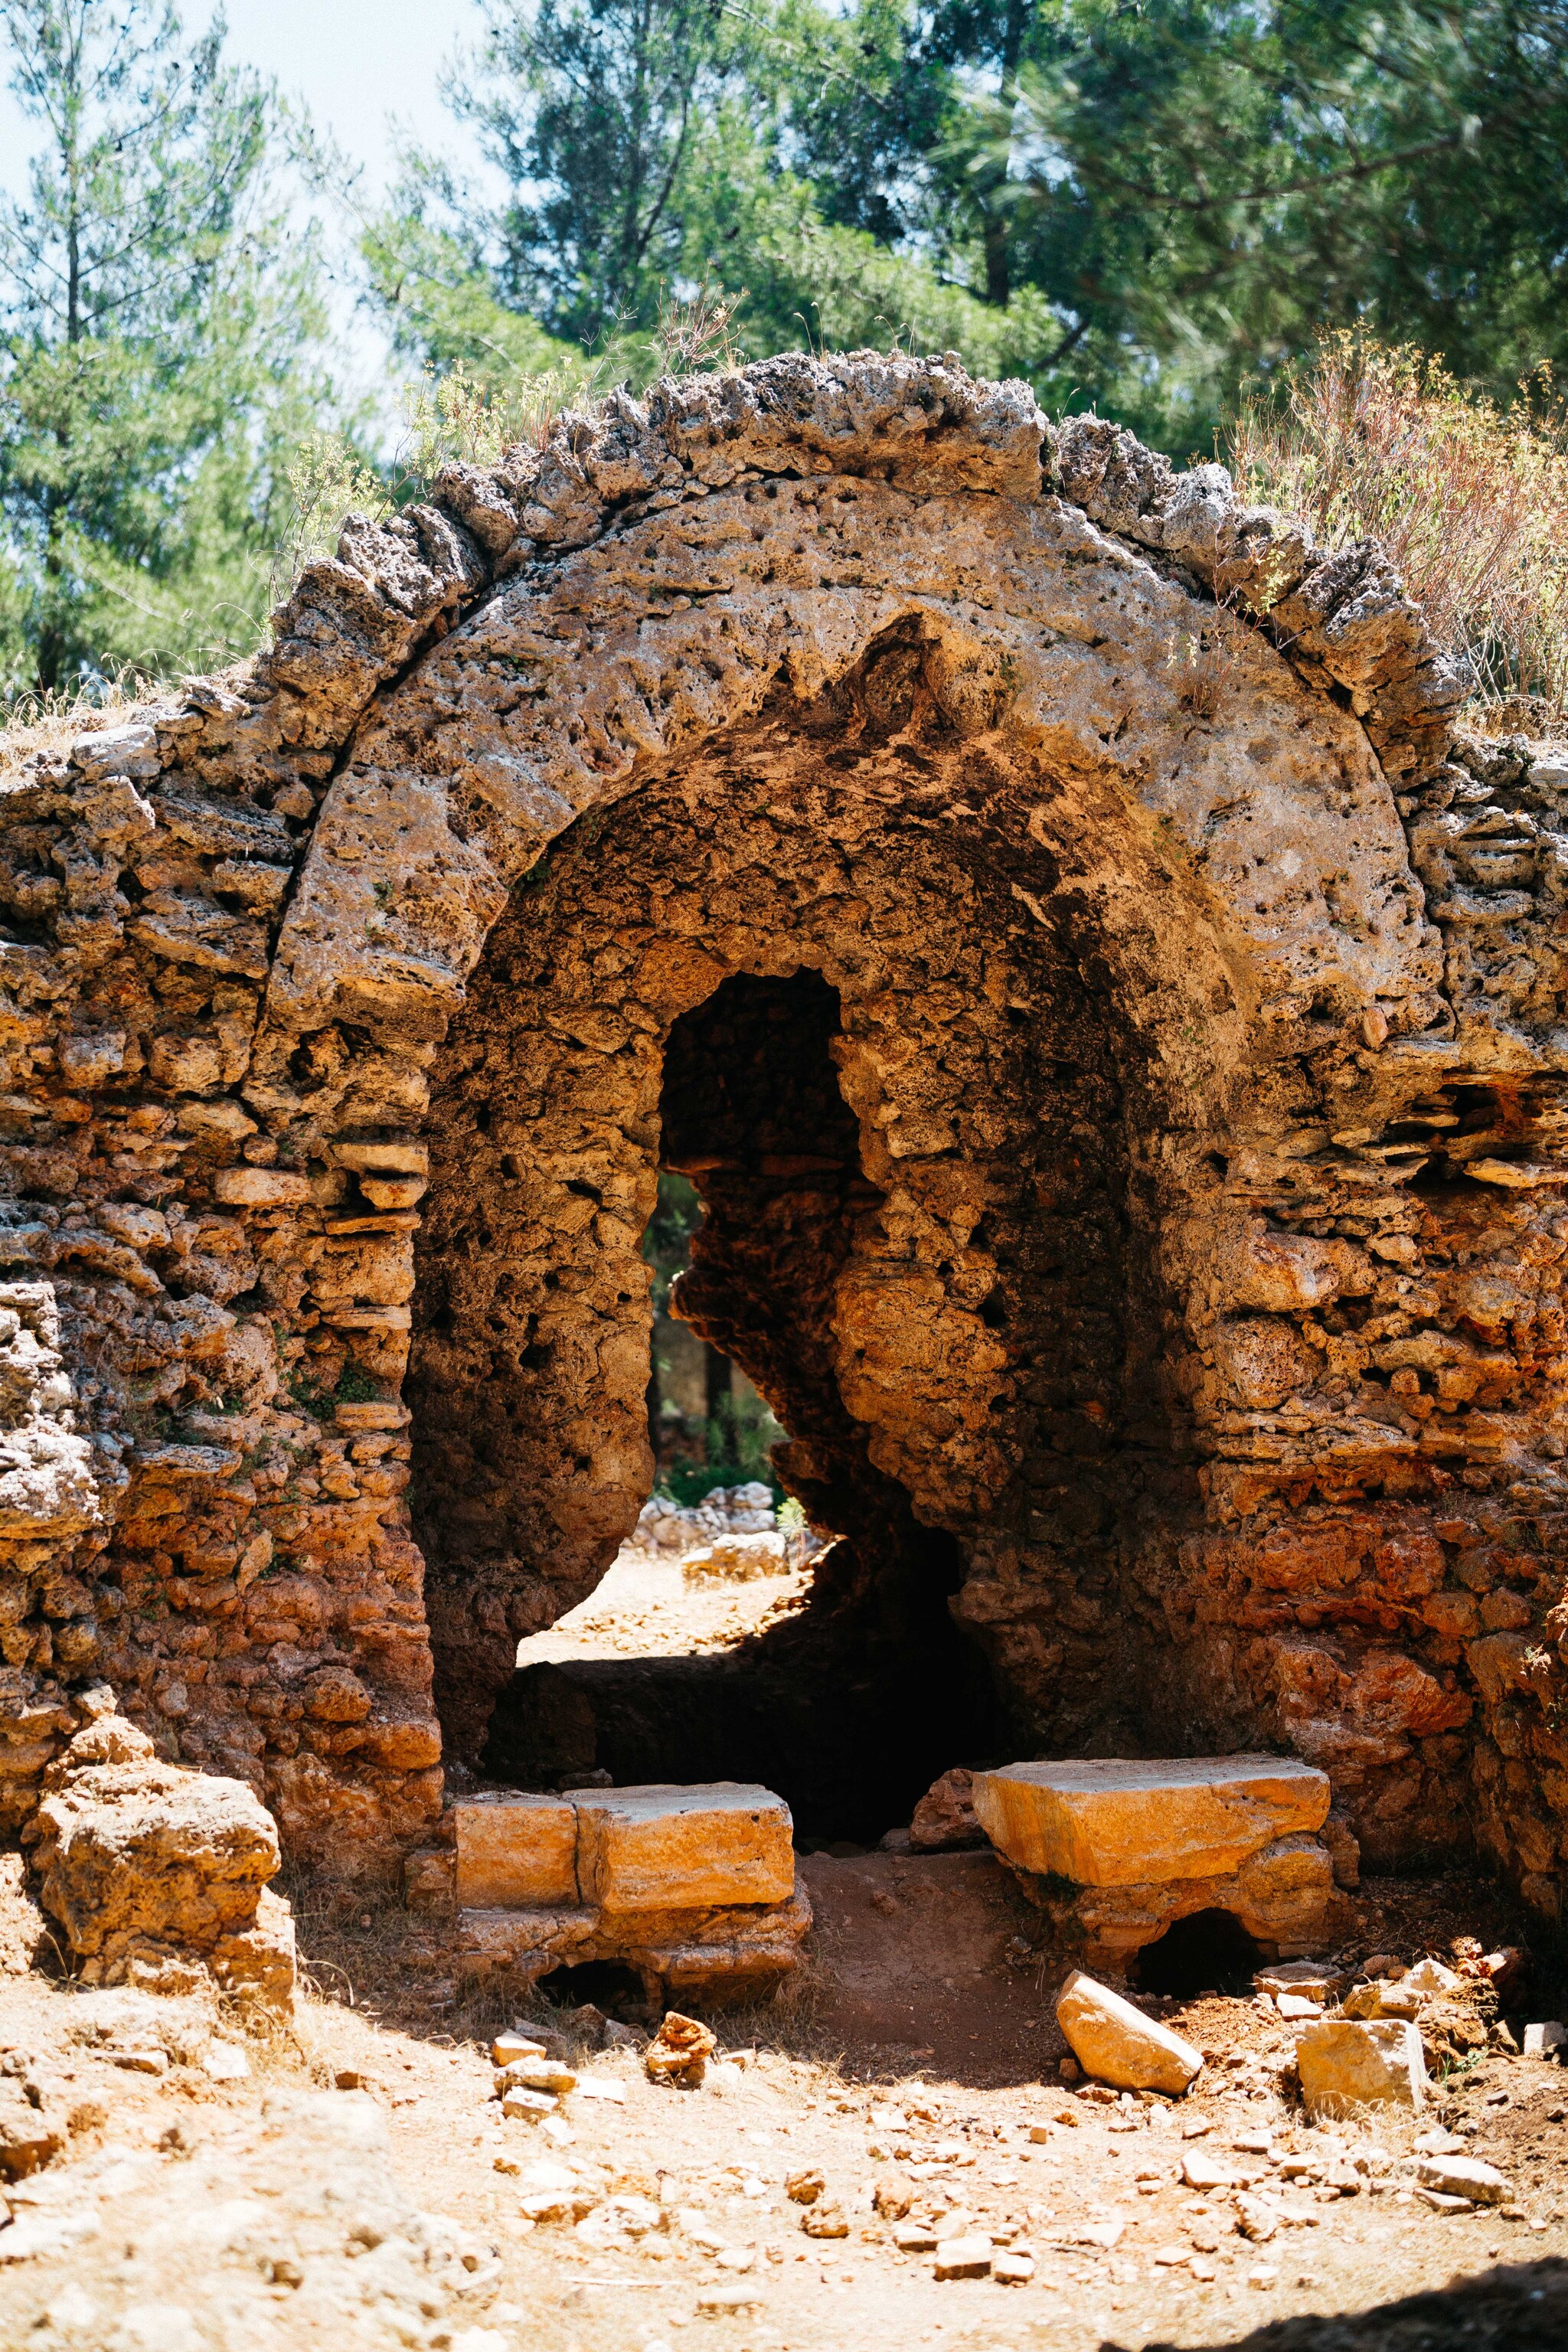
(1115, 1029)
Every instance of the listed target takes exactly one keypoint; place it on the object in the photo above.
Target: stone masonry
(1114, 1026)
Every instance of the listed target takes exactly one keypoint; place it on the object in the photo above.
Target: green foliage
(667, 1237)
(1140, 206)
(1204, 186)
(154, 358)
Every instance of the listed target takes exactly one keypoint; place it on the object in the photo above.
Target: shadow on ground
(1522, 2308)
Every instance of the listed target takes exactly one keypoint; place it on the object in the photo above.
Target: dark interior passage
(1208, 1951)
(853, 1706)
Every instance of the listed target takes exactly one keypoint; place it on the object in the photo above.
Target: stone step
(657, 1847)
(1138, 1822)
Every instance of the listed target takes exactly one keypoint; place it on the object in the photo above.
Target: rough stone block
(1118, 2044)
(516, 1851)
(1345, 2062)
(648, 1849)
(1126, 1822)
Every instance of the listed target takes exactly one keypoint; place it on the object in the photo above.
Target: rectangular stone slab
(648, 1849)
(1124, 1823)
(514, 1852)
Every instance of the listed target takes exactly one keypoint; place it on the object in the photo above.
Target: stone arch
(1196, 768)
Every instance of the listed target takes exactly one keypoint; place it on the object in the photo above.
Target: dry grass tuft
(1469, 499)
(47, 722)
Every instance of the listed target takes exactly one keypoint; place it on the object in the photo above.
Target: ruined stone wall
(1198, 1020)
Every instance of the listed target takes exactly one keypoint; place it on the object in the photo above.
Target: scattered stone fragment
(1383, 1999)
(823, 2221)
(805, 2187)
(958, 2258)
(1311, 1979)
(944, 1821)
(1011, 2266)
(530, 2105)
(893, 2196)
(1172, 2257)
(1430, 1976)
(915, 2238)
(729, 2298)
(28, 2137)
(1297, 2005)
(508, 2047)
(679, 2050)
(536, 2074)
(1112, 2040)
(1539, 2039)
(1345, 2062)
(1256, 2218)
(1203, 2173)
(1464, 2176)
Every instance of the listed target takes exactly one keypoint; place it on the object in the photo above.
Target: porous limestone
(1118, 2044)
(1345, 2064)
(1077, 873)
(1122, 1823)
(692, 1887)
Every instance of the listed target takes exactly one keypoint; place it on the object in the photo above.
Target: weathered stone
(648, 1848)
(1123, 1824)
(1344, 2065)
(679, 2050)
(944, 1821)
(148, 1868)
(1464, 2176)
(1118, 2044)
(514, 1851)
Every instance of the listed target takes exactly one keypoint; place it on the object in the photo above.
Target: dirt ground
(355, 2184)
(644, 1608)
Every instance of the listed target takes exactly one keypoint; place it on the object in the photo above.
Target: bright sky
(357, 63)
(366, 70)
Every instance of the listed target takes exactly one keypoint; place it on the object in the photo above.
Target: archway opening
(854, 1703)
(1208, 1951)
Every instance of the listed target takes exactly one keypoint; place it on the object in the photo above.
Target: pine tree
(154, 354)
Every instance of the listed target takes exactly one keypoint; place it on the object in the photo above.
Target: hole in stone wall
(1208, 1951)
(853, 1702)
(609, 1985)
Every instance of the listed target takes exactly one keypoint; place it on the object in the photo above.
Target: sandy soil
(644, 1608)
(360, 2188)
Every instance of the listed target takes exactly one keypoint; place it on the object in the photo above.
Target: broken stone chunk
(823, 2221)
(679, 2052)
(944, 1821)
(1383, 2000)
(1201, 2173)
(528, 2106)
(915, 2238)
(964, 2258)
(507, 2047)
(1013, 2267)
(1309, 1978)
(1539, 2039)
(536, 2074)
(28, 2137)
(1345, 2062)
(1115, 2043)
(805, 2187)
(1432, 1978)
(1464, 2176)
(1134, 1822)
